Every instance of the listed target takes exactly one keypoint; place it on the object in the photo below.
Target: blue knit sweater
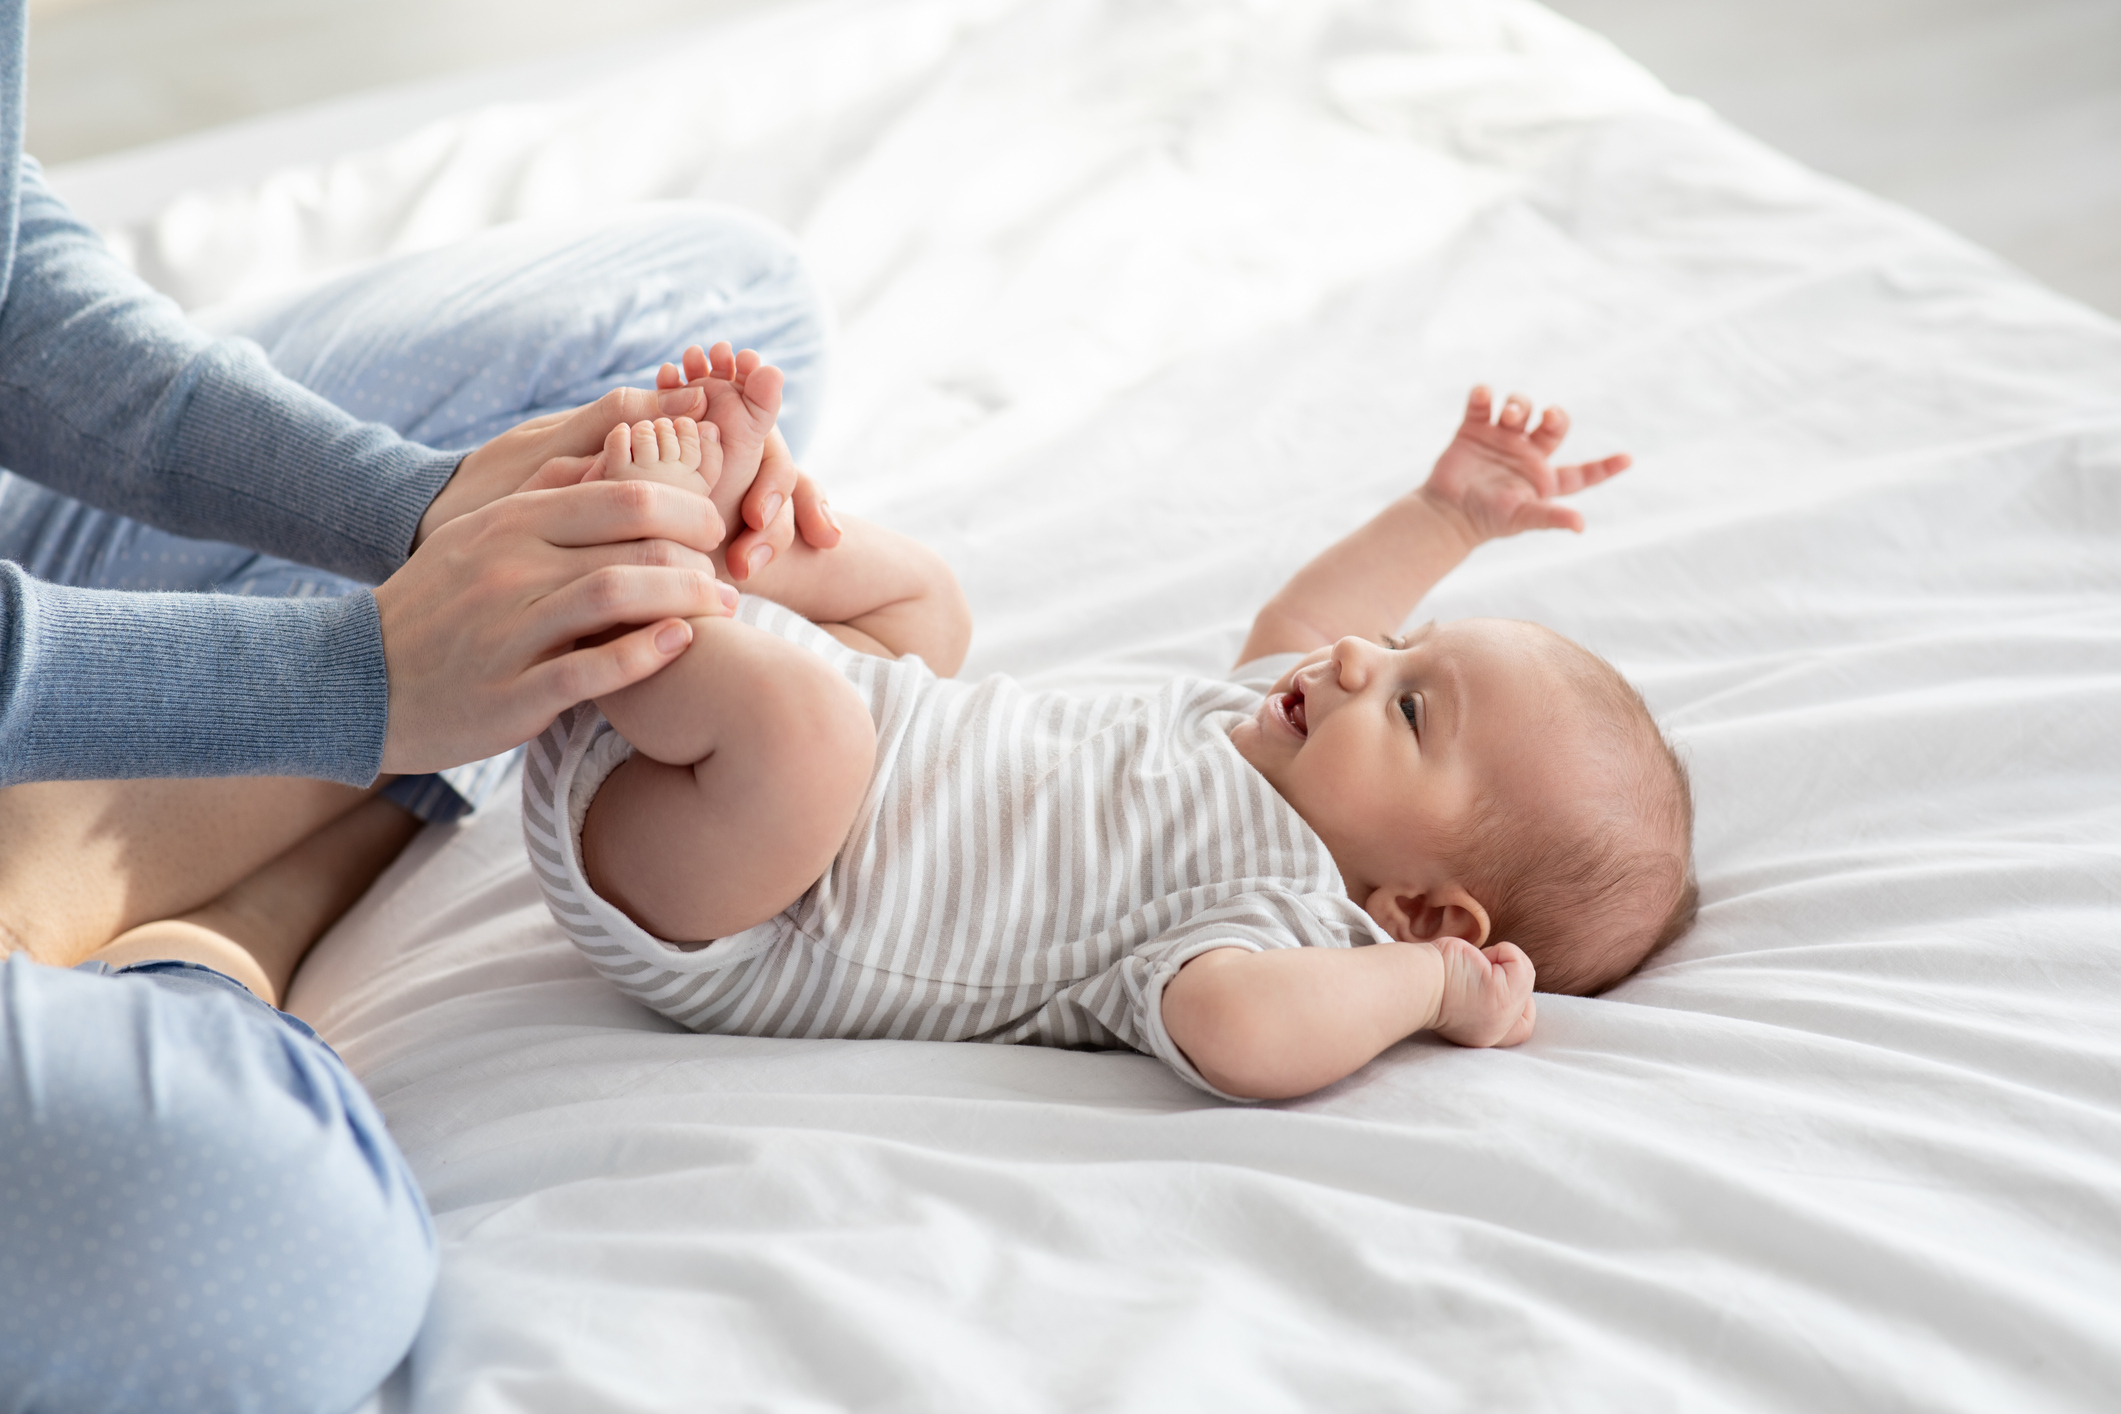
(108, 394)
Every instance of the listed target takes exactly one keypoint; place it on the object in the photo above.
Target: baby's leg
(743, 399)
(82, 861)
(752, 755)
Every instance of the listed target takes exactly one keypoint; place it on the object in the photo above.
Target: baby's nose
(1352, 660)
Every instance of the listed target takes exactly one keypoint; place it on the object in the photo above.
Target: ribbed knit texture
(108, 394)
(98, 685)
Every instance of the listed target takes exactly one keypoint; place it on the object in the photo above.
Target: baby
(804, 828)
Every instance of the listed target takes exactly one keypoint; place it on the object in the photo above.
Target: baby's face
(1385, 752)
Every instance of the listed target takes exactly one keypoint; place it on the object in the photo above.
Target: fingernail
(673, 637)
(824, 508)
(728, 593)
(760, 554)
(772, 507)
(678, 399)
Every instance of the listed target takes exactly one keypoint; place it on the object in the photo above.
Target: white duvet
(1142, 302)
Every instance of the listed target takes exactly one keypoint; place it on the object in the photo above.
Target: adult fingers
(559, 471)
(585, 428)
(776, 479)
(648, 554)
(592, 672)
(813, 516)
(753, 550)
(602, 512)
(626, 594)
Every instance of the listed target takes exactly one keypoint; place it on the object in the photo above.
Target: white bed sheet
(1143, 302)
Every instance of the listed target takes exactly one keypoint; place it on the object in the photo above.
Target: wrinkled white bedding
(1142, 303)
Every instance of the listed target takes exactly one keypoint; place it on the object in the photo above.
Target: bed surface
(1142, 304)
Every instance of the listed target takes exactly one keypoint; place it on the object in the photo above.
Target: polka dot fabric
(453, 346)
(199, 1207)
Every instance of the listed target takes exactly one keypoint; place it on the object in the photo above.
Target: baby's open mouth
(1292, 709)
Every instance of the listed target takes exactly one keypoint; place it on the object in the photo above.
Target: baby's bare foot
(743, 399)
(677, 452)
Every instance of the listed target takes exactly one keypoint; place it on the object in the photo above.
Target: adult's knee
(745, 281)
(199, 1209)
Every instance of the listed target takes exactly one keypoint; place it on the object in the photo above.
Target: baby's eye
(1412, 708)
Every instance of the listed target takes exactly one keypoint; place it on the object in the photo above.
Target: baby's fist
(1487, 994)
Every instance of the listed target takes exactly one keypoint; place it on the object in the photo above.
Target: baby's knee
(824, 736)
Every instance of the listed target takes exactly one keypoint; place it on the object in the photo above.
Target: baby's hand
(1487, 994)
(680, 453)
(1493, 480)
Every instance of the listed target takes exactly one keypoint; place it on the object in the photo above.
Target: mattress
(1141, 304)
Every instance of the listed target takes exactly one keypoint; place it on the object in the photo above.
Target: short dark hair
(1591, 894)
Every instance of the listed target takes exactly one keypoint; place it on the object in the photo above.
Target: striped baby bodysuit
(1026, 866)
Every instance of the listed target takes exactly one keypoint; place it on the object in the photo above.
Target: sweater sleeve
(98, 684)
(109, 394)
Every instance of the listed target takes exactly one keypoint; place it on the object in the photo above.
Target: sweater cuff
(103, 685)
(295, 474)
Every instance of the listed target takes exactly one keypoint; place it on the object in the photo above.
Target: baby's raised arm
(1492, 481)
(1282, 1022)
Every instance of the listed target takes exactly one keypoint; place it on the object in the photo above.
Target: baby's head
(1493, 780)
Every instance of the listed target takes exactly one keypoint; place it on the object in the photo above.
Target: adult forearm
(108, 393)
(1283, 1022)
(99, 685)
(1366, 583)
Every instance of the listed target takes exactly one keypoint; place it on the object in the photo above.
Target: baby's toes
(762, 395)
(644, 444)
(686, 433)
(618, 450)
(666, 440)
(710, 454)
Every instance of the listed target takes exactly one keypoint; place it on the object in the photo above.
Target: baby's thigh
(780, 758)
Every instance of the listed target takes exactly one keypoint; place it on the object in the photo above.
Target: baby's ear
(1424, 915)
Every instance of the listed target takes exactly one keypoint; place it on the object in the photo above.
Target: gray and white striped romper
(1027, 866)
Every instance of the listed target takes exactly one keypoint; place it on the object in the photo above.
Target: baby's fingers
(1521, 1030)
(1553, 426)
(1480, 407)
(1512, 968)
(1571, 479)
(1546, 515)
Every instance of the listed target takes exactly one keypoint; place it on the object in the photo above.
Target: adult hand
(480, 625)
(781, 502)
(505, 464)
